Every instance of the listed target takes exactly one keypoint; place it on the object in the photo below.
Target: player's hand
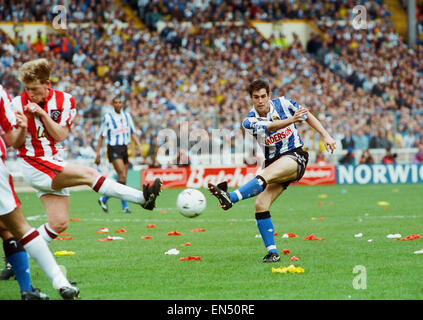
(329, 143)
(33, 108)
(300, 115)
(21, 120)
(97, 160)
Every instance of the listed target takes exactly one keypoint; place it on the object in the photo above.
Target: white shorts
(39, 173)
(8, 199)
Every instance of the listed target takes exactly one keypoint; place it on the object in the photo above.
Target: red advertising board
(318, 175)
(199, 177)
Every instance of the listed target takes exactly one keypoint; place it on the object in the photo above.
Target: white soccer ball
(191, 203)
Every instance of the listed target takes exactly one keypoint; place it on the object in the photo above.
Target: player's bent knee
(261, 205)
(59, 225)
(90, 175)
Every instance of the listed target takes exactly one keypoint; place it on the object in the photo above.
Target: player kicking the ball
(20, 238)
(272, 122)
(50, 115)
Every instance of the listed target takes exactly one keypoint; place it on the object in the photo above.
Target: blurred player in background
(15, 231)
(117, 128)
(272, 122)
(50, 115)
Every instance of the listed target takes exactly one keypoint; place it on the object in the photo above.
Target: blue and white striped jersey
(117, 128)
(276, 142)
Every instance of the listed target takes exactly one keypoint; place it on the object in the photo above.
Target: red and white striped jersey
(60, 106)
(7, 118)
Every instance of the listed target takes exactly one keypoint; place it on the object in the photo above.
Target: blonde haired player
(50, 115)
(12, 219)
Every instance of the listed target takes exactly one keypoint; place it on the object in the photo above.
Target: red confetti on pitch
(190, 258)
(286, 251)
(198, 230)
(105, 239)
(313, 237)
(146, 237)
(63, 238)
(320, 203)
(292, 235)
(185, 244)
(103, 230)
(408, 238)
(75, 219)
(150, 226)
(293, 258)
(276, 234)
(121, 230)
(174, 233)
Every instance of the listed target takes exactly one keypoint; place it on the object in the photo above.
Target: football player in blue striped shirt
(117, 128)
(272, 122)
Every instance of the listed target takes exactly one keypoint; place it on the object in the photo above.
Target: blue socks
(123, 202)
(18, 258)
(265, 226)
(251, 189)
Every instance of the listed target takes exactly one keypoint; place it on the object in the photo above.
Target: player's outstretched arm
(327, 139)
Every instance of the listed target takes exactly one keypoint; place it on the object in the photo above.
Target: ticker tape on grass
(290, 269)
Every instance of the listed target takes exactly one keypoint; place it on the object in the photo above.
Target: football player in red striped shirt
(13, 225)
(50, 116)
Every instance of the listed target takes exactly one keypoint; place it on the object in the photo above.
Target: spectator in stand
(348, 141)
(65, 48)
(153, 17)
(366, 157)
(409, 139)
(380, 141)
(348, 158)
(418, 157)
(321, 159)
(361, 140)
(21, 45)
(39, 43)
(389, 158)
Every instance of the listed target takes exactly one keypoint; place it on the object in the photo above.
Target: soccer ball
(191, 203)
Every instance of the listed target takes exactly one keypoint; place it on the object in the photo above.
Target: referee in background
(117, 128)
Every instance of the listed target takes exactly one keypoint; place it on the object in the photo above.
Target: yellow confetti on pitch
(383, 203)
(64, 253)
(289, 269)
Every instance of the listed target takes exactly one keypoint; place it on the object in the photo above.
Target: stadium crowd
(366, 86)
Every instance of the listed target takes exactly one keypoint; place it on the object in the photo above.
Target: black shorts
(117, 152)
(298, 155)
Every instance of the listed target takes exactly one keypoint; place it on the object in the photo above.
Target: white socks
(37, 248)
(47, 233)
(111, 188)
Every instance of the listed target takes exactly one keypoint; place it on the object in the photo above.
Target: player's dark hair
(257, 85)
(117, 97)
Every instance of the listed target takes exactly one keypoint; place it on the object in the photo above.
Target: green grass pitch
(231, 266)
